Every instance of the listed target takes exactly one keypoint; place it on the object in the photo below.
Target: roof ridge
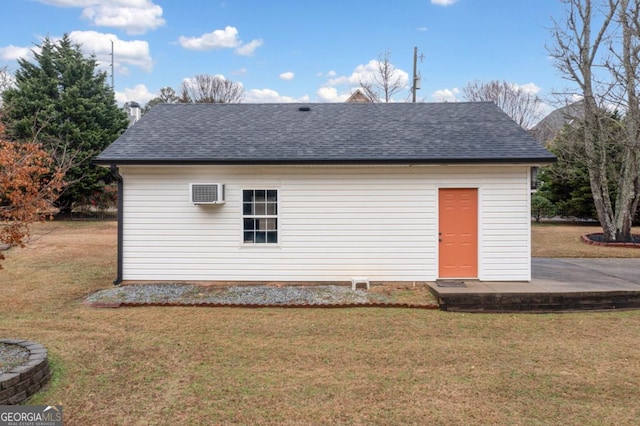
(330, 133)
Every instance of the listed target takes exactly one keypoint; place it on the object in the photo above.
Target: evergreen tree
(541, 207)
(63, 102)
(566, 182)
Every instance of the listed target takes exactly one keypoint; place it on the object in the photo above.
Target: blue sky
(297, 50)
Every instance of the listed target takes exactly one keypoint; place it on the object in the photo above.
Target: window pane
(260, 209)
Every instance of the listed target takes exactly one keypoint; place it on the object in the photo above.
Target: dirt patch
(405, 293)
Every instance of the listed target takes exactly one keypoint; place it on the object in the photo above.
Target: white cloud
(575, 98)
(220, 39)
(139, 94)
(270, 96)
(131, 16)
(134, 53)
(443, 2)
(527, 88)
(421, 29)
(249, 48)
(11, 52)
(127, 53)
(446, 95)
(130, 20)
(366, 74)
(287, 75)
(330, 94)
(331, 73)
(451, 95)
(72, 3)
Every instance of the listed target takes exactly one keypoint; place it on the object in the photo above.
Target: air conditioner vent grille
(207, 193)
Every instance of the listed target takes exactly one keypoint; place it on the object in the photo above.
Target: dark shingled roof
(549, 127)
(325, 134)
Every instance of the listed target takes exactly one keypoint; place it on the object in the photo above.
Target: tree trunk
(626, 198)
(627, 189)
(597, 160)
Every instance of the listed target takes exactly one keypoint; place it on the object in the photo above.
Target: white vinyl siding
(333, 223)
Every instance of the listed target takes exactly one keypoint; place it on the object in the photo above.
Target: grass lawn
(202, 366)
(550, 240)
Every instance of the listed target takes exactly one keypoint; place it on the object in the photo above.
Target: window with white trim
(260, 216)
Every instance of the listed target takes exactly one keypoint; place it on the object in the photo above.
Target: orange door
(458, 221)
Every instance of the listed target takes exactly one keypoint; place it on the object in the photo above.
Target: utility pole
(416, 76)
(113, 84)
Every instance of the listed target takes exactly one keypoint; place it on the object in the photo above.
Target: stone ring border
(21, 382)
(585, 238)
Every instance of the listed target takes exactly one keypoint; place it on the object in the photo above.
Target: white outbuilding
(324, 193)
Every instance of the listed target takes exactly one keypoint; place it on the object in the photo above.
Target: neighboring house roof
(358, 97)
(549, 127)
(404, 133)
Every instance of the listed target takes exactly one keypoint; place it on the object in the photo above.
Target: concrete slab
(626, 269)
(556, 284)
(573, 274)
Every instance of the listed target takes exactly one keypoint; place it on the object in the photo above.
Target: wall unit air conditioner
(206, 193)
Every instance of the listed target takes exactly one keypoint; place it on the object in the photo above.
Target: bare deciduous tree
(386, 80)
(6, 79)
(166, 96)
(213, 89)
(628, 194)
(521, 105)
(602, 60)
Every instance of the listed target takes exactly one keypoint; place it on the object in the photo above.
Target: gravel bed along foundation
(258, 295)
